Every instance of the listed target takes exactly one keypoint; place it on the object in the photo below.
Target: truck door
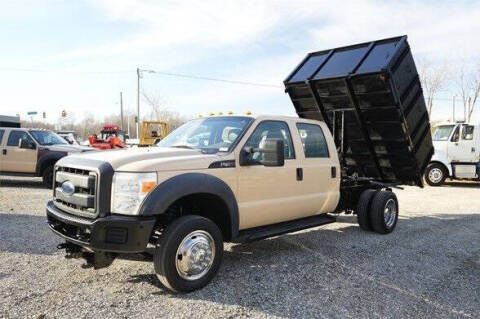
(462, 147)
(2, 132)
(19, 153)
(268, 195)
(321, 171)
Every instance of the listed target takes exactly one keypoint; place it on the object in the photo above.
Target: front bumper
(119, 234)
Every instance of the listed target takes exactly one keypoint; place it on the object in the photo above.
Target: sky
(79, 55)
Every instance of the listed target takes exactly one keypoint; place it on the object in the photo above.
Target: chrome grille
(83, 200)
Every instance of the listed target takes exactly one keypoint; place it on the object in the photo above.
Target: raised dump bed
(370, 97)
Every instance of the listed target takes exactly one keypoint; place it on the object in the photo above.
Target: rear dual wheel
(377, 211)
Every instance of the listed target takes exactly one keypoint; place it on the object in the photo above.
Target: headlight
(129, 190)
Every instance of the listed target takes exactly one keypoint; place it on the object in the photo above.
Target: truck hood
(441, 153)
(151, 159)
(67, 148)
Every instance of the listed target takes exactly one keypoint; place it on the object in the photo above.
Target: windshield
(442, 132)
(212, 135)
(47, 138)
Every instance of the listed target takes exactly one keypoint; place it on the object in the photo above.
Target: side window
(456, 134)
(270, 129)
(467, 132)
(313, 140)
(1, 136)
(15, 136)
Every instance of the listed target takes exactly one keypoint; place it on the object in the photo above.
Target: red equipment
(111, 137)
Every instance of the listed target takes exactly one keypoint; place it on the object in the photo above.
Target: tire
(363, 209)
(47, 176)
(383, 202)
(435, 174)
(190, 232)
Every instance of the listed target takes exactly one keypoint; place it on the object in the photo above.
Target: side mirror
(273, 153)
(26, 144)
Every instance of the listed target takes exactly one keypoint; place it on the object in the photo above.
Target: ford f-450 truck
(362, 129)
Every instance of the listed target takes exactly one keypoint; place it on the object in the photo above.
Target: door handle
(4, 152)
(299, 174)
(333, 172)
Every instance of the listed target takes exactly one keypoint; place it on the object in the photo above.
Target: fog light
(116, 235)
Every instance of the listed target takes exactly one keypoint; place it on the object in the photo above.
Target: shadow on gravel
(26, 234)
(14, 183)
(461, 184)
(284, 275)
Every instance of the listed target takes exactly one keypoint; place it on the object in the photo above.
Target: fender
(166, 193)
(47, 156)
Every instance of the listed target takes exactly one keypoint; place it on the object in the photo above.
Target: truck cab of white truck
(457, 153)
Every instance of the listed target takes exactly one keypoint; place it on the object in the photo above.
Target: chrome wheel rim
(435, 175)
(390, 213)
(195, 255)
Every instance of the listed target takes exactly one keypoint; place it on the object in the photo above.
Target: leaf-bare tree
(469, 87)
(433, 78)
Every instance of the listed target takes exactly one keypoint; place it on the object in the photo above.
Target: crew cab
(457, 153)
(32, 152)
(359, 132)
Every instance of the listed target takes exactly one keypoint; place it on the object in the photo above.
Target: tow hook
(71, 250)
(95, 260)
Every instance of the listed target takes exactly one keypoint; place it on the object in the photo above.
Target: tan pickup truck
(231, 178)
(32, 152)
(362, 129)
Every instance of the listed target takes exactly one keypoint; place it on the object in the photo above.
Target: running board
(258, 233)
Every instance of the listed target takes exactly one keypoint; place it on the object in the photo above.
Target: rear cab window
(1, 136)
(313, 140)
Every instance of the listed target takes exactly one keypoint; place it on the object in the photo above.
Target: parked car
(457, 153)
(243, 178)
(33, 152)
(70, 136)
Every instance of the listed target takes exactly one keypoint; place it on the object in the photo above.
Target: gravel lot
(429, 267)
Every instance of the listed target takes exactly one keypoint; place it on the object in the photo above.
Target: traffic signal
(44, 115)
(64, 113)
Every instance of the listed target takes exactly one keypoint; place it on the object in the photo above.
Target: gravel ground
(429, 267)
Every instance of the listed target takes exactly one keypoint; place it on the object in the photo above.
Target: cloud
(259, 41)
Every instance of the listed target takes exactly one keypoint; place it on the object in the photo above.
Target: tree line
(465, 81)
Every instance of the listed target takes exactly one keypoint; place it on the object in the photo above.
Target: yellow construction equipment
(152, 132)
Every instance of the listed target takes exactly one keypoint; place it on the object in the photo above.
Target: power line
(180, 75)
(196, 77)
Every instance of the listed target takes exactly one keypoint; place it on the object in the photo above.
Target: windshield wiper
(183, 146)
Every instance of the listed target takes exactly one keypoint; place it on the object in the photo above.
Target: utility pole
(138, 102)
(121, 109)
(453, 115)
(469, 105)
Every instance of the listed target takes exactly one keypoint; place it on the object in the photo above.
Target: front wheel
(435, 174)
(47, 176)
(384, 212)
(188, 254)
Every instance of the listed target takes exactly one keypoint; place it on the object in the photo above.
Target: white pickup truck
(457, 153)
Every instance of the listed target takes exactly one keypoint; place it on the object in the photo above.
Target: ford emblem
(68, 188)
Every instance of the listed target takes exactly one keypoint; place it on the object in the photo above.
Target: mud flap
(95, 260)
